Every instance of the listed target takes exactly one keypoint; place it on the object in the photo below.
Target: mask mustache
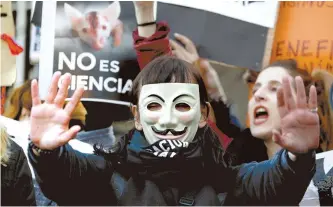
(165, 132)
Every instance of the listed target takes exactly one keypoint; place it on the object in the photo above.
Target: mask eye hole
(182, 107)
(154, 106)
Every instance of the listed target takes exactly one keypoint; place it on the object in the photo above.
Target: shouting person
(171, 157)
(257, 142)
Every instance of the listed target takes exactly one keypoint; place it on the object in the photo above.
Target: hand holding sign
(189, 53)
(299, 120)
(49, 121)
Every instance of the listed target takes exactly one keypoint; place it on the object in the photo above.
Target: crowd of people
(183, 148)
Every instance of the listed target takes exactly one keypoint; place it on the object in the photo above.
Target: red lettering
(321, 47)
(291, 49)
(305, 46)
(278, 51)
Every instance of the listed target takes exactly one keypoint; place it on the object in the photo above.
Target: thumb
(277, 138)
(68, 135)
(204, 65)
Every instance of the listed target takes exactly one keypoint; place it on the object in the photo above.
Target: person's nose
(260, 95)
(168, 120)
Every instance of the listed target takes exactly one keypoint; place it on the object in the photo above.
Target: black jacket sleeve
(69, 177)
(17, 188)
(24, 184)
(278, 181)
(223, 121)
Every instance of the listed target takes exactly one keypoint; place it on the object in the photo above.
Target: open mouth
(260, 115)
(169, 133)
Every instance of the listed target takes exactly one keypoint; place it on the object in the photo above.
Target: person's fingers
(189, 45)
(287, 93)
(63, 91)
(284, 142)
(70, 106)
(68, 135)
(176, 46)
(53, 88)
(313, 98)
(301, 95)
(34, 93)
(179, 54)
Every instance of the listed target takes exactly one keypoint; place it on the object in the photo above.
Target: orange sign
(304, 31)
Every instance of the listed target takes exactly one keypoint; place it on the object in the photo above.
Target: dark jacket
(72, 178)
(16, 181)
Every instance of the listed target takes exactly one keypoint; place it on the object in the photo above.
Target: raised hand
(189, 53)
(49, 121)
(299, 119)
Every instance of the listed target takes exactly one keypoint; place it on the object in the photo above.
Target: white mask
(174, 106)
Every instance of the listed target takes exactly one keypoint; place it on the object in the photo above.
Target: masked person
(171, 157)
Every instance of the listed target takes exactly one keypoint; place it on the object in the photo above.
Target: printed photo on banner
(93, 42)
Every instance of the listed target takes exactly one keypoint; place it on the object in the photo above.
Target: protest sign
(302, 33)
(95, 60)
(66, 46)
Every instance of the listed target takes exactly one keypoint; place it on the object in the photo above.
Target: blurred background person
(16, 181)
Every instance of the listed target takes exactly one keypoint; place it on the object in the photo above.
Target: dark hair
(167, 69)
(290, 65)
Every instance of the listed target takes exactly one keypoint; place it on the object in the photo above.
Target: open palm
(49, 121)
(299, 125)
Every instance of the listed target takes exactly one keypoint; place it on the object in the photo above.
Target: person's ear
(204, 115)
(135, 113)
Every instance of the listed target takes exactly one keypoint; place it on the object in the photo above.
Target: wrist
(144, 15)
(295, 156)
(38, 151)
